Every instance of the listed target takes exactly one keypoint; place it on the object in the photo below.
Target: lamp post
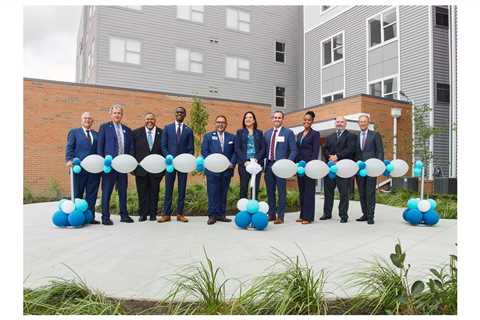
(395, 113)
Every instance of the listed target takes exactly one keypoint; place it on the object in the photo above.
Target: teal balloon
(199, 161)
(387, 162)
(260, 220)
(330, 163)
(88, 216)
(417, 172)
(107, 169)
(170, 168)
(108, 157)
(301, 171)
(333, 169)
(389, 167)
(243, 219)
(169, 160)
(76, 218)
(431, 217)
(301, 163)
(418, 164)
(77, 169)
(81, 204)
(414, 216)
(108, 161)
(60, 219)
(412, 204)
(200, 167)
(252, 206)
(361, 165)
(362, 173)
(433, 204)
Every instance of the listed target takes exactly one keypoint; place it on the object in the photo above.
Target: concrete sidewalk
(137, 260)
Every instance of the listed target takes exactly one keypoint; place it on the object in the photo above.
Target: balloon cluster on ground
(252, 213)
(421, 211)
(74, 214)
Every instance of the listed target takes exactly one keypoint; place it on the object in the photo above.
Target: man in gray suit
(368, 145)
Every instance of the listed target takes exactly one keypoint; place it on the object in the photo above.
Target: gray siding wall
(333, 78)
(383, 61)
(160, 32)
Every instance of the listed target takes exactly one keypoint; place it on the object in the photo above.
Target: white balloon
(93, 163)
(184, 162)
(316, 169)
(284, 168)
(424, 205)
(242, 204)
(67, 206)
(253, 168)
(153, 163)
(263, 207)
(346, 168)
(124, 163)
(400, 168)
(216, 162)
(375, 167)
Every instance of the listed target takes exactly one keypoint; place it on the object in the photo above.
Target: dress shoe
(299, 220)
(362, 218)
(107, 222)
(271, 219)
(127, 219)
(325, 217)
(370, 221)
(181, 218)
(224, 219)
(211, 221)
(305, 222)
(95, 222)
(343, 220)
(163, 219)
(278, 221)
(153, 218)
(142, 219)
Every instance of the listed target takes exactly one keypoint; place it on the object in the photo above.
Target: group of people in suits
(249, 144)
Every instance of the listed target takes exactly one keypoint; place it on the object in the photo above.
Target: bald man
(82, 142)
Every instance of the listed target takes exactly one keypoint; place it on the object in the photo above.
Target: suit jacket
(343, 147)
(373, 147)
(211, 144)
(286, 147)
(107, 140)
(169, 140)
(241, 140)
(309, 149)
(78, 145)
(141, 149)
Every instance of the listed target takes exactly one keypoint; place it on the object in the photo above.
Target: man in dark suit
(219, 141)
(280, 144)
(114, 139)
(147, 141)
(368, 145)
(339, 145)
(82, 142)
(177, 138)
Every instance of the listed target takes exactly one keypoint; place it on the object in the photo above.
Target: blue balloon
(431, 217)
(417, 172)
(361, 165)
(386, 173)
(108, 157)
(60, 219)
(200, 167)
(433, 204)
(332, 175)
(389, 167)
(243, 219)
(76, 161)
(412, 203)
(330, 163)
(404, 215)
(301, 171)
(301, 163)
(252, 206)
(387, 162)
(362, 173)
(418, 164)
(81, 204)
(260, 220)
(169, 160)
(76, 218)
(107, 169)
(88, 216)
(333, 169)
(414, 216)
(108, 161)
(170, 168)
(199, 161)
(77, 169)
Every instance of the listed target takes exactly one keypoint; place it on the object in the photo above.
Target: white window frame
(191, 61)
(382, 27)
(382, 85)
(331, 94)
(332, 62)
(284, 51)
(91, 11)
(125, 51)
(238, 21)
(284, 97)
(237, 58)
(191, 9)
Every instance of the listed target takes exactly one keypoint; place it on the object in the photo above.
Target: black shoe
(95, 222)
(370, 221)
(343, 220)
(153, 218)
(142, 218)
(224, 219)
(325, 217)
(211, 221)
(127, 219)
(362, 218)
(107, 222)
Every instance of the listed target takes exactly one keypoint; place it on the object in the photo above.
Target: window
(280, 97)
(280, 52)
(125, 50)
(192, 13)
(238, 20)
(333, 97)
(91, 11)
(386, 88)
(443, 93)
(441, 16)
(332, 49)
(237, 68)
(382, 27)
(187, 60)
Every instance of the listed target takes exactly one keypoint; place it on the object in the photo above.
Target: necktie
(272, 146)
(89, 136)
(179, 132)
(220, 137)
(339, 133)
(150, 140)
(118, 129)
(364, 135)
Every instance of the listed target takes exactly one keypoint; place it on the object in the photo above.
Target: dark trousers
(366, 189)
(343, 185)
(217, 189)
(245, 179)
(85, 186)
(306, 187)
(148, 187)
(109, 180)
(169, 184)
(273, 183)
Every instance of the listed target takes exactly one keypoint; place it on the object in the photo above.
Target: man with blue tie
(177, 138)
(114, 139)
(280, 144)
(219, 141)
(82, 142)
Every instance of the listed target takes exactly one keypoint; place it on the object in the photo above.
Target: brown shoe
(305, 222)
(181, 218)
(163, 218)
(271, 219)
(278, 221)
(299, 220)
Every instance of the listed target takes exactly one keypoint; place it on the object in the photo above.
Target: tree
(198, 122)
